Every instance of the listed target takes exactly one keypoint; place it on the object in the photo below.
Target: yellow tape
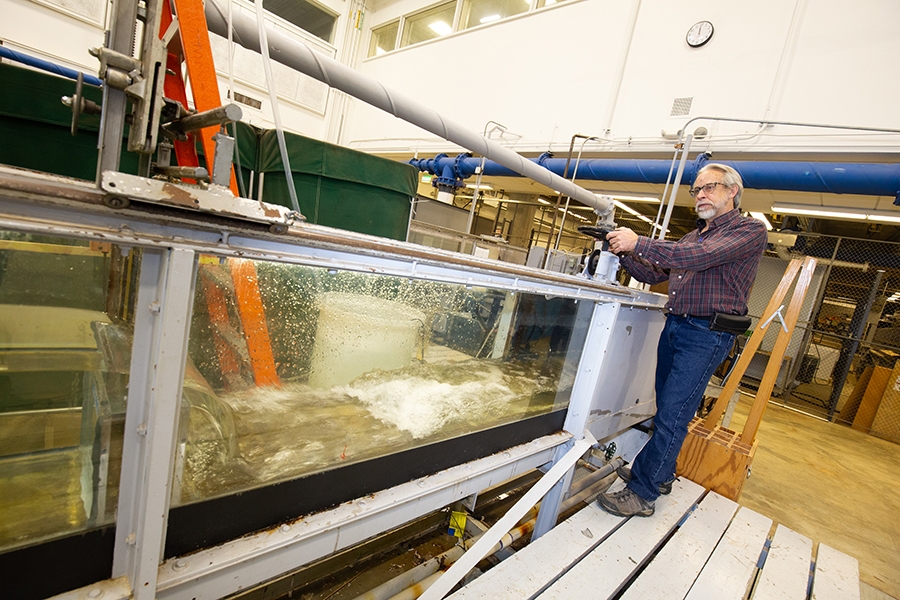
(457, 524)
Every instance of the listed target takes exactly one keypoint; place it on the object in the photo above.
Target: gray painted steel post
(112, 121)
(163, 314)
(848, 351)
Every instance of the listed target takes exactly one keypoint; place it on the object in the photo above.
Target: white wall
(61, 31)
(552, 73)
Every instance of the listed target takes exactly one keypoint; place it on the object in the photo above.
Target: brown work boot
(625, 503)
(624, 474)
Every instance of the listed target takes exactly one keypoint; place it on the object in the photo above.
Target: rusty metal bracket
(123, 188)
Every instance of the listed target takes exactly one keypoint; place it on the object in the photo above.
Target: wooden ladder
(718, 458)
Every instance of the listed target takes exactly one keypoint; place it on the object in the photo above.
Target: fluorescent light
(762, 217)
(483, 186)
(884, 218)
(643, 218)
(489, 18)
(440, 28)
(837, 213)
(542, 201)
(650, 199)
(817, 212)
(627, 209)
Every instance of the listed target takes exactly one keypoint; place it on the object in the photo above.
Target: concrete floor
(832, 484)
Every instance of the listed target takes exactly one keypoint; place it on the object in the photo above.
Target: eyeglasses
(707, 189)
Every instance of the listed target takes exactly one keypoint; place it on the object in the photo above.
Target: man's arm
(621, 241)
(695, 255)
(642, 270)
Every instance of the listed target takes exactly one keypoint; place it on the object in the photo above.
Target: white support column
(163, 312)
(590, 366)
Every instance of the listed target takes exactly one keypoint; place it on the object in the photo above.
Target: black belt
(734, 324)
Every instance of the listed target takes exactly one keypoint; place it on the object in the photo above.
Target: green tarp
(34, 125)
(337, 186)
(312, 157)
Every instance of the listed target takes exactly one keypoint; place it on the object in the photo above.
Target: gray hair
(730, 177)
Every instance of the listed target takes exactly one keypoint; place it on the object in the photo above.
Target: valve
(79, 104)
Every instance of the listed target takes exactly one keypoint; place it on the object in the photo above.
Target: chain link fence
(842, 361)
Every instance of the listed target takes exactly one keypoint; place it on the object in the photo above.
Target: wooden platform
(697, 545)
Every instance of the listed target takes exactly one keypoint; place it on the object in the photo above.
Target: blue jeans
(687, 356)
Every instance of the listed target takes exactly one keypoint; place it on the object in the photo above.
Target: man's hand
(621, 240)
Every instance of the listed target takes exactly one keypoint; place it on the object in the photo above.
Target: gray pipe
(300, 57)
(410, 584)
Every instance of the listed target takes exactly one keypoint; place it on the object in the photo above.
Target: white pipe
(784, 254)
(562, 223)
(675, 184)
(620, 70)
(276, 113)
(300, 57)
(662, 204)
(790, 41)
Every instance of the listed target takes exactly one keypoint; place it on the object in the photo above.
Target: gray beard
(706, 213)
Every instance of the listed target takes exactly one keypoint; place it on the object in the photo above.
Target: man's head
(717, 190)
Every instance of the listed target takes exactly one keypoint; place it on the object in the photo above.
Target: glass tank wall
(292, 370)
(295, 370)
(65, 344)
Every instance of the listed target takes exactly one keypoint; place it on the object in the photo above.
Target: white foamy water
(423, 407)
(295, 430)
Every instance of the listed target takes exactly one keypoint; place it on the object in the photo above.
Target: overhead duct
(868, 179)
(300, 57)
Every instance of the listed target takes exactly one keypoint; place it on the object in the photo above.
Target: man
(710, 270)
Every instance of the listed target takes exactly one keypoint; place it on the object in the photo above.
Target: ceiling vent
(681, 107)
(239, 97)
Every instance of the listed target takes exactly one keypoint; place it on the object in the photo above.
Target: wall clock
(699, 33)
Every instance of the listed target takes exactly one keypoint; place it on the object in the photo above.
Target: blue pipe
(869, 179)
(44, 65)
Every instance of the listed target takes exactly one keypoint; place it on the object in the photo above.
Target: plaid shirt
(708, 272)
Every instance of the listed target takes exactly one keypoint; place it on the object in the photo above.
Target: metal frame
(307, 244)
(163, 316)
(596, 345)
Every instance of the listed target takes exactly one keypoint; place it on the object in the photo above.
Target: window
(430, 24)
(305, 15)
(384, 38)
(479, 12)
